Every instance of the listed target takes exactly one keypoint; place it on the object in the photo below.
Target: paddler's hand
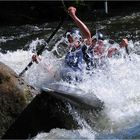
(71, 11)
(124, 43)
(34, 58)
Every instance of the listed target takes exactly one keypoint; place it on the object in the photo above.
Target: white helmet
(74, 33)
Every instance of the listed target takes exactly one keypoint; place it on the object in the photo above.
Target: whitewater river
(117, 84)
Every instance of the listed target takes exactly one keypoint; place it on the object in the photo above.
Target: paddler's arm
(84, 29)
(124, 44)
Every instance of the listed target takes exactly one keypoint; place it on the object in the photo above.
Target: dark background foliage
(21, 12)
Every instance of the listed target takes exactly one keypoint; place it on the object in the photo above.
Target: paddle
(43, 46)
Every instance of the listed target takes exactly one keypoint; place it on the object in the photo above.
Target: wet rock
(44, 113)
(15, 95)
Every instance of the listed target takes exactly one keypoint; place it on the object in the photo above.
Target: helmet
(98, 36)
(74, 33)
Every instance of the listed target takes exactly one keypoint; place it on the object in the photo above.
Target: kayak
(74, 95)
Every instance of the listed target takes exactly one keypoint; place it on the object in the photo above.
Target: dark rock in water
(44, 113)
(15, 95)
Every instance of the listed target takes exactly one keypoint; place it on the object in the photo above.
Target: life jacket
(88, 56)
(74, 59)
